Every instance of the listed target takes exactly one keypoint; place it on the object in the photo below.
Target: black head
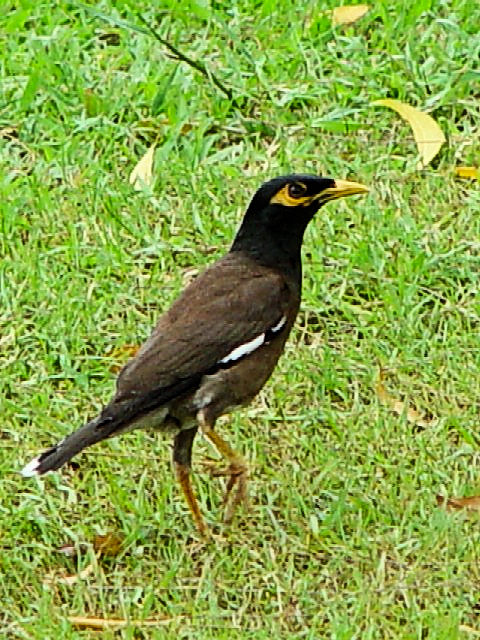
(301, 194)
(282, 208)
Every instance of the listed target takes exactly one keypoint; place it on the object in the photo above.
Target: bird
(216, 346)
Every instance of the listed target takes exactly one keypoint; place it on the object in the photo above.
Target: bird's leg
(237, 469)
(182, 459)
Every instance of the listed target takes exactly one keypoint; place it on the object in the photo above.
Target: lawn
(344, 537)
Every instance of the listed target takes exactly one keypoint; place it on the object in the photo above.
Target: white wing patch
(244, 349)
(247, 348)
(280, 324)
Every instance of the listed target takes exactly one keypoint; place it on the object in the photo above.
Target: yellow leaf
(467, 172)
(68, 580)
(83, 622)
(398, 407)
(349, 13)
(120, 355)
(428, 135)
(467, 629)
(141, 175)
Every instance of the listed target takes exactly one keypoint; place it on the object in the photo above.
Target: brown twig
(181, 57)
(176, 53)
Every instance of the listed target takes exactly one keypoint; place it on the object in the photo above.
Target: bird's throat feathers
(272, 238)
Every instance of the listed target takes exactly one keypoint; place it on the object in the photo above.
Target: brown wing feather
(231, 303)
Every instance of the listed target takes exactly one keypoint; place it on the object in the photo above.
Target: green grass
(344, 538)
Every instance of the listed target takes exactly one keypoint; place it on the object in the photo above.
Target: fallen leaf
(121, 355)
(103, 623)
(398, 407)
(471, 503)
(142, 174)
(349, 13)
(188, 275)
(428, 135)
(467, 172)
(186, 128)
(111, 38)
(9, 132)
(467, 629)
(68, 580)
(108, 545)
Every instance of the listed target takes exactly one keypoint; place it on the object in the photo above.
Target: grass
(344, 538)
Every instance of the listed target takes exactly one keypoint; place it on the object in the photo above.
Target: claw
(239, 477)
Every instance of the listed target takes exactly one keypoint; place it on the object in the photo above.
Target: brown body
(225, 388)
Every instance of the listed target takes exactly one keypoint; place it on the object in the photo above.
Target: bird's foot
(236, 489)
(212, 466)
(237, 473)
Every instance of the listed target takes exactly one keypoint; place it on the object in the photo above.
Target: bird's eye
(296, 190)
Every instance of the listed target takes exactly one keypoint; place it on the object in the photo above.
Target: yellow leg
(237, 469)
(182, 473)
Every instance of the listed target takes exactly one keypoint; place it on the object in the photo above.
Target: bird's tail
(58, 455)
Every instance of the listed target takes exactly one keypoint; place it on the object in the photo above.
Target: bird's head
(301, 195)
(282, 208)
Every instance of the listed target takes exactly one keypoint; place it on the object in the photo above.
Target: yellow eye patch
(284, 198)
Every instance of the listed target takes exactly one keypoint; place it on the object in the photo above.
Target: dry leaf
(121, 355)
(108, 545)
(69, 580)
(188, 275)
(398, 407)
(11, 133)
(467, 172)
(103, 623)
(455, 504)
(348, 14)
(141, 175)
(186, 128)
(428, 135)
(467, 629)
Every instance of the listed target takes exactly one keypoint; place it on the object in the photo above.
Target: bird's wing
(227, 307)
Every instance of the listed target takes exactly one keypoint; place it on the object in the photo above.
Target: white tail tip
(30, 469)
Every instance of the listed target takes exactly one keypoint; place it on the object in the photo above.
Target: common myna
(217, 345)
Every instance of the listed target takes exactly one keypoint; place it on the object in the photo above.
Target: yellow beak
(342, 189)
